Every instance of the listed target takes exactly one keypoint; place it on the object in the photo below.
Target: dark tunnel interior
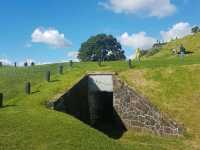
(107, 120)
(93, 108)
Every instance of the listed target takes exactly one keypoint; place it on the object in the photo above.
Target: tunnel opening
(106, 119)
(91, 101)
(109, 105)
(104, 109)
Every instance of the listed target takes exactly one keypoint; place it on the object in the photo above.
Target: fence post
(28, 88)
(129, 63)
(1, 99)
(48, 76)
(71, 63)
(25, 64)
(60, 69)
(1, 64)
(32, 64)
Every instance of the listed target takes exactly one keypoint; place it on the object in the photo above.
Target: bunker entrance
(108, 105)
(105, 103)
(105, 119)
(103, 109)
(91, 101)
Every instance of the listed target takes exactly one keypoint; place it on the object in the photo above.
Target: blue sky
(52, 31)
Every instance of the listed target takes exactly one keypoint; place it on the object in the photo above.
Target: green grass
(26, 123)
(13, 79)
(175, 90)
(191, 43)
(172, 84)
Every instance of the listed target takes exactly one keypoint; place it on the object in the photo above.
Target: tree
(101, 47)
(195, 29)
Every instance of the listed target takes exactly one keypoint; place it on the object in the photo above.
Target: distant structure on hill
(155, 49)
(159, 44)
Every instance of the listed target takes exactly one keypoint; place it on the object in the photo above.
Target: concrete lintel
(101, 73)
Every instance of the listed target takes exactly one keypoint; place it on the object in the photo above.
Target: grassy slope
(191, 43)
(176, 91)
(25, 123)
(171, 83)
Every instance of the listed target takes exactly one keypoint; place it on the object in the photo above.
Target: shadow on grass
(35, 92)
(187, 52)
(102, 65)
(114, 127)
(52, 81)
(6, 106)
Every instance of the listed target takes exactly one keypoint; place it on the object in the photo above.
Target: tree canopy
(101, 47)
(195, 29)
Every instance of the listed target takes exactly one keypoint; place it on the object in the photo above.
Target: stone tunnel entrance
(109, 105)
(91, 101)
(103, 107)
(104, 110)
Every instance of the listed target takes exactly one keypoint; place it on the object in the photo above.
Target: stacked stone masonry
(137, 112)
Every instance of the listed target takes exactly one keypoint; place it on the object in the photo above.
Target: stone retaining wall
(137, 112)
(132, 109)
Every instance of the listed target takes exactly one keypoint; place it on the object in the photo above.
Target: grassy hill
(191, 43)
(26, 123)
(171, 83)
(176, 91)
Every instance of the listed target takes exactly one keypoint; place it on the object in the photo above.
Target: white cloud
(44, 63)
(72, 54)
(157, 8)
(29, 61)
(133, 56)
(68, 60)
(51, 37)
(178, 30)
(138, 40)
(5, 61)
